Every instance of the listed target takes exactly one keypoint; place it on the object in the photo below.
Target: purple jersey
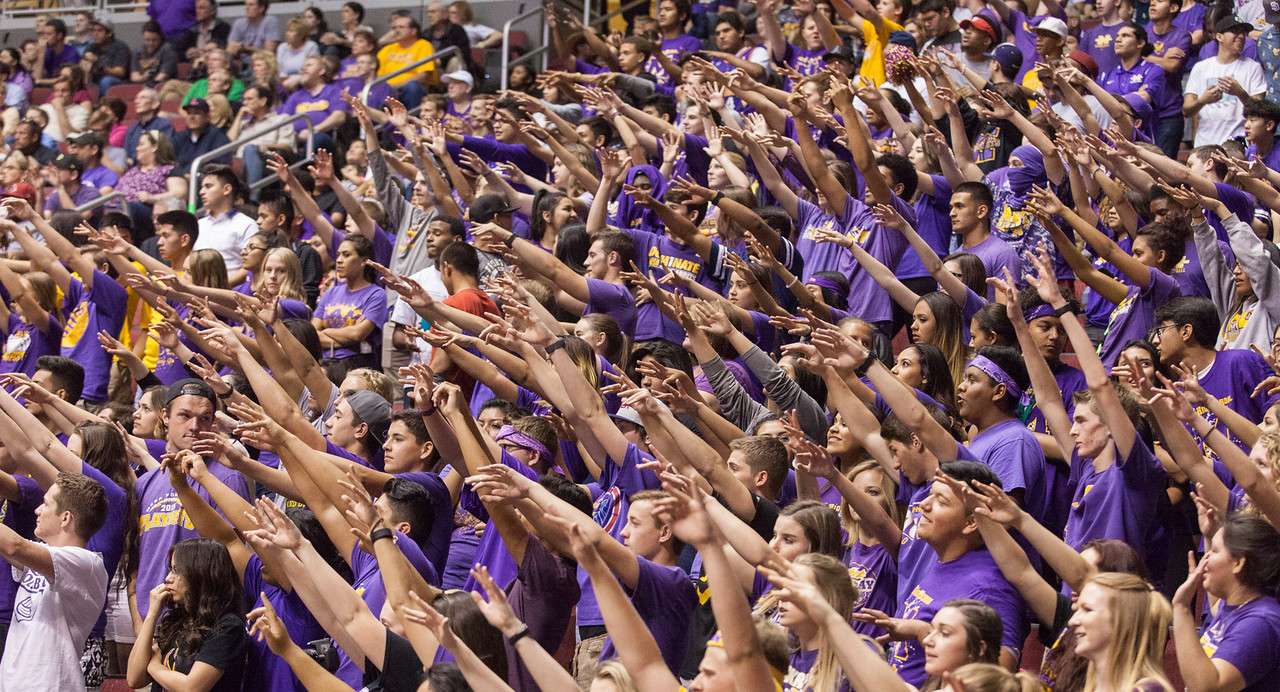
(1119, 501)
(1161, 44)
(437, 544)
(341, 307)
(24, 344)
(1248, 637)
(492, 551)
(87, 311)
(1135, 315)
(19, 516)
(675, 49)
(109, 539)
(822, 257)
(1165, 100)
(1231, 379)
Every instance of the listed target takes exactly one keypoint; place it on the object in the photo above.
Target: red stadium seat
(184, 70)
(519, 41)
(171, 106)
(126, 92)
(40, 95)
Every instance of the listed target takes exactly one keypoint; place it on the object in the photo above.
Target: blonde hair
(208, 269)
(888, 488)
(376, 381)
(988, 677)
(1140, 618)
(291, 286)
(615, 672)
(219, 110)
(831, 576)
(272, 66)
(1270, 444)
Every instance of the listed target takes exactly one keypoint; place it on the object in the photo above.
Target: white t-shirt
(1073, 119)
(51, 621)
(403, 313)
(1224, 119)
(227, 234)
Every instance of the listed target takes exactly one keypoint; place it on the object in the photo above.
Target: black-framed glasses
(1154, 335)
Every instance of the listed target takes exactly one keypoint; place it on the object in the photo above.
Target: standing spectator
(54, 52)
(69, 190)
(258, 114)
(939, 25)
(201, 136)
(207, 31)
(61, 585)
(407, 48)
(458, 85)
(979, 36)
(256, 29)
(175, 17)
(222, 228)
(293, 52)
(155, 61)
(147, 106)
(1217, 89)
(1134, 74)
(339, 43)
(108, 57)
(1100, 41)
(88, 148)
(1261, 117)
(320, 100)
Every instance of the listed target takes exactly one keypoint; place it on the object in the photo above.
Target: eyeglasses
(1154, 335)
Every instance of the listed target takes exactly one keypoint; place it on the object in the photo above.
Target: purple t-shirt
(867, 298)
(492, 551)
(1099, 43)
(915, 557)
(341, 307)
(665, 598)
(803, 60)
(1248, 637)
(1135, 315)
(656, 253)
(545, 586)
(1161, 44)
(933, 223)
(1117, 502)
(615, 301)
(437, 547)
(1166, 100)
(162, 523)
(822, 257)
(1014, 454)
(85, 313)
(972, 575)
(269, 670)
(1271, 159)
(1231, 379)
(996, 256)
(19, 516)
(24, 344)
(317, 105)
(675, 49)
(875, 572)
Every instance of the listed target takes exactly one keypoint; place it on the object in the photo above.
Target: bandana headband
(824, 283)
(1041, 310)
(519, 439)
(997, 373)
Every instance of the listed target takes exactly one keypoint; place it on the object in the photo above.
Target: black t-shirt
(224, 647)
(402, 669)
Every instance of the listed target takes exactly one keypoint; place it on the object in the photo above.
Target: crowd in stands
(800, 345)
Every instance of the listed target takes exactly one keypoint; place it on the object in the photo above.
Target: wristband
(379, 534)
(1065, 309)
(556, 345)
(510, 240)
(715, 199)
(518, 636)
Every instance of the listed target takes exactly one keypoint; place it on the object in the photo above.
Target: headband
(1041, 310)
(824, 283)
(997, 373)
(520, 439)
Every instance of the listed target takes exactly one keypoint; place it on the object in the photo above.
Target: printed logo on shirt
(16, 346)
(33, 584)
(810, 232)
(1103, 41)
(911, 526)
(340, 315)
(685, 267)
(865, 580)
(797, 680)
(984, 150)
(77, 322)
(311, 106)
(808, 64)
(1075, 504)
(164, 512)
(1121, 310)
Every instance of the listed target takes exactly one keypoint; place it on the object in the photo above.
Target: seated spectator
(207, 31)
(15, 97)
(15, 171)
(155, 62)
(201, 137)
(407, 47)
(146, 105)
(443, 34)
(258, 115)
(220, 113)
(107, 120)
(481, 36)
(223, 81)
(66, 114)
(364, 70)
(69, 189)
(88, 149)
(264, 71)
(320, 100)
(56, 53)
(152, 178)
(316, 25)
(364, 43)
(293, 51)
(255, 30)
(27, 139)
(340, 43)
(108, 57)
(81, 35)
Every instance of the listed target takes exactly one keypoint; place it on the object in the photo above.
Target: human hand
(494, 605)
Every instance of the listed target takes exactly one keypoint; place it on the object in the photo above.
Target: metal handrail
(194, 181)
(506, 40)
(527, 57)
(447, 52)
(97, 202)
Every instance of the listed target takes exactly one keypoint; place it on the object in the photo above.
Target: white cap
(461, 76)
(1053, 25)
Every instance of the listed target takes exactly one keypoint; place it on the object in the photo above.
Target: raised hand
(1043, 278)
(267, 626)
(494, 605)
(995, 504)
(322, 169)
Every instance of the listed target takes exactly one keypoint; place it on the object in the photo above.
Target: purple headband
(1041, 310)
(520, 439)
(998, 374)
(824, 283)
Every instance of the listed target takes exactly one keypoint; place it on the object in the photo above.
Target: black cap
(87, 139)
(841, 52)
(485, 207)
(197, 105)
(67, 162)
(190, 387)
(1232, 23)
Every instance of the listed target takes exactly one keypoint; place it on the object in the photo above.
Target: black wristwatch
(379, 534)
(1065, 309)
(518, 636)
(715, 199)
(556, 345)
(510, 240)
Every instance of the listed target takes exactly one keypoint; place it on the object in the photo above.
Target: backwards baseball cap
(1086, 62)
(485, 207)
(903, 38)
(460, 76)
(373, 411)
(1232, 23)
(1009, 58)
(67, 162)
(628, 415)
(984, 24)
(197, 105)
(23, 190)
(190, 387)
(1272, 10)
(1052, 25)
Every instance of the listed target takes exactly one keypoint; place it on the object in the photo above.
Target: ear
(999, 392)
(760, 478)
(427, 450)
(402, 527)
(984, 210)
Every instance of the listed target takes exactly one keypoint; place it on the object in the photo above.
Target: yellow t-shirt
(392, 57)
(873, 53)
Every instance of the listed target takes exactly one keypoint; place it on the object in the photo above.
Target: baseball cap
(1141, 108)
(1085, 61)
(485, 207)
(1272, 10)
(23, 190)
(903, 38)
(460, 76)
(197, 105)
(190, 387)
(628, 415)
(1052, 25)
(1009, 58)
(87, 139)
(983, 24)
(373, 411)
(1233, 24)
(67, 162)
(105, 23)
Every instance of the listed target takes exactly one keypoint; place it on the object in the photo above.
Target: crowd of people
(808, 347)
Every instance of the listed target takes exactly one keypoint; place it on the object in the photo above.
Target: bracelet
(379, 534)
(556, 345)
(510, 240)
(518, 636)
(1065, 309)
(719, 195)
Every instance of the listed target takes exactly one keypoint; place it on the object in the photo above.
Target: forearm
(1198, 672)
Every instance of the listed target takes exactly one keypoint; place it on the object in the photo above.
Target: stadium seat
(184, 70)
(126, 92)
(40, 95)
